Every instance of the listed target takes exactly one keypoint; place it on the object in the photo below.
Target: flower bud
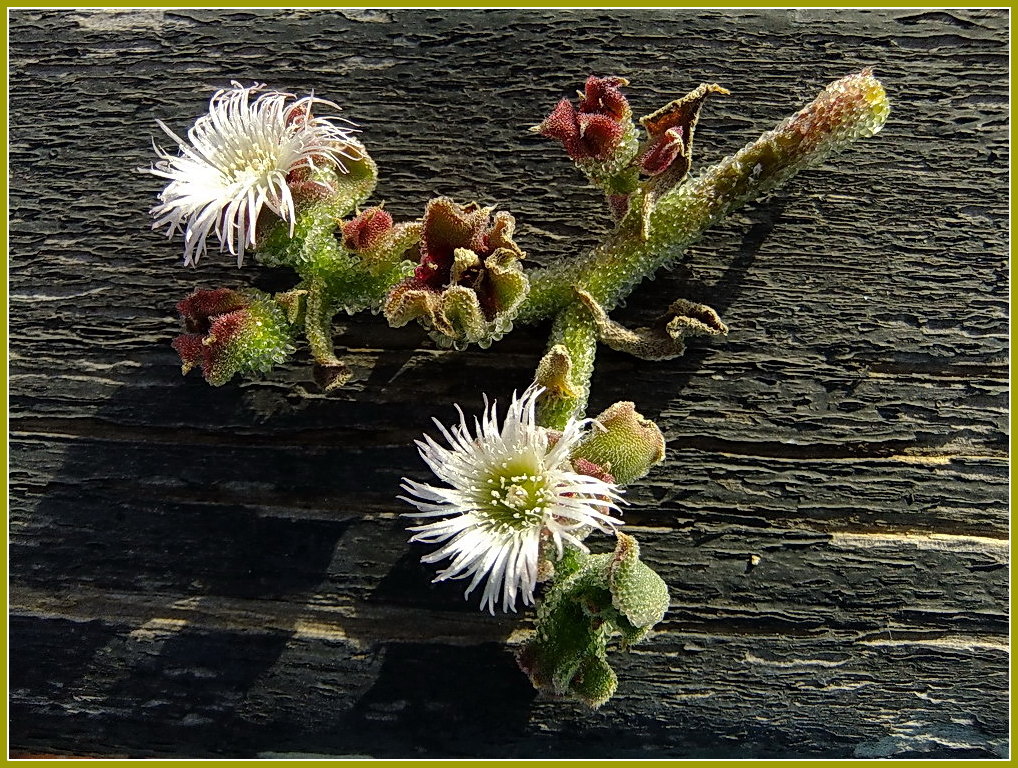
(598, 134)
(198, 309)
(596, 129)
(593, 598)
(229, 332)
(626, 444)
(368, 230)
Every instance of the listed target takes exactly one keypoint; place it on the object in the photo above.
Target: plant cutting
(521, 491)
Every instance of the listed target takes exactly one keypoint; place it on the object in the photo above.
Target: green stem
(318, 323)
(574, 329)
(330, 372)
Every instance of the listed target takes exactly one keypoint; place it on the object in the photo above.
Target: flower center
(252, 167)
(516, 495)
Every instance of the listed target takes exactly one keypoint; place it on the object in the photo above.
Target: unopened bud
(623, 443)
(229, 333)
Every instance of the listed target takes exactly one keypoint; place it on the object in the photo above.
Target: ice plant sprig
(595, 599)
(517, 498)
(511, 495)
(235, 163)
(644, 241)
(458, 271)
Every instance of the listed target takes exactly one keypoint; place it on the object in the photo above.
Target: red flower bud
(198, 309)
(228, 333)
(595, 130)
(367, 230)
(562, 124)
(601, 95)
(191, 350)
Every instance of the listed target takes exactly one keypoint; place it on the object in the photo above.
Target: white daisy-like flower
(507, 489)
(235, 163)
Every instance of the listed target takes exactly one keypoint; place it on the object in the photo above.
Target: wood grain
(200, 571)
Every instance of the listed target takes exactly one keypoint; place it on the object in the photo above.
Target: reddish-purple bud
(191, 350)
(198, 309)
(212, 319)
(367, 230)
(561, 124)
(211, 350)
(225, 328)
(601, 95)
(595, 130)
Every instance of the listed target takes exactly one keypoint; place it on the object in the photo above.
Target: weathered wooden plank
(873, 696)
(765, 401)
(897, 493)
(203, 571)
(723, 573)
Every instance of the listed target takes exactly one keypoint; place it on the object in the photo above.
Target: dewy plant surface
(517, 495)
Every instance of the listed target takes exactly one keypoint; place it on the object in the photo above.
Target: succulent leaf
(637, 591)
(593, 599)
(663, 340)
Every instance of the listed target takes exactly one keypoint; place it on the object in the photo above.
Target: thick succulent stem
(851, 108)
(573, 329)
(330, 372)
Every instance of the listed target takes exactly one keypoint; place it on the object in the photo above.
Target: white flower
(235, 163)
(508, 489)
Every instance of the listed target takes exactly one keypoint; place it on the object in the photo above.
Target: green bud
(553, 373)
(623, 442)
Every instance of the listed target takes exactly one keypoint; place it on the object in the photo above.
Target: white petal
(234, 162)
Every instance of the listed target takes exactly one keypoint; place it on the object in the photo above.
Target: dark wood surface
(200, 571)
